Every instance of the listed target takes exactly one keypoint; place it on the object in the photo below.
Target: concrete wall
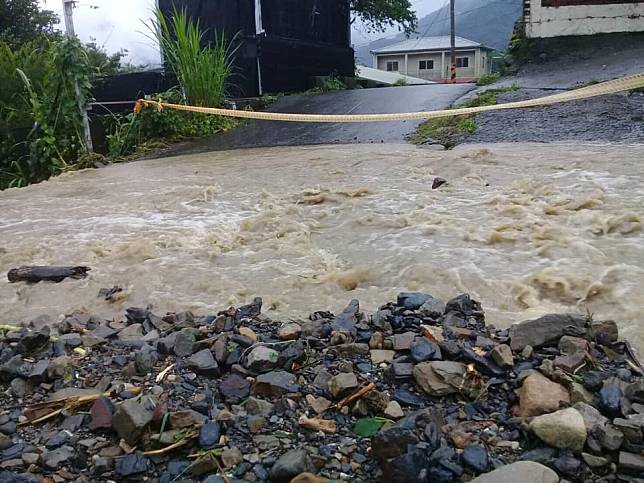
(409, 64)
(554, 18)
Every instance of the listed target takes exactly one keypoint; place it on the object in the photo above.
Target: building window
(425, 65)
(462, 62)
(392, 66)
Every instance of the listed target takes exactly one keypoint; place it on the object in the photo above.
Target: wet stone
(408, 398)
(275, 383)
(130, 420)
(144, 361)
(184, 343)
(502, 356)
(392, 442)
(262, 359)
(540, 395)
(342, 384)
(609, 400)
(593, 380)
(403, 342)
(203, 362)
(291, 464)
(412, 300)
(635, 391)
(57, 458)
(476, 458)
(132, 464)
(209, 435)
(424, 350)
(58, 439)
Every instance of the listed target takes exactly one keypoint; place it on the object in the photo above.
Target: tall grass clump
(203, 66)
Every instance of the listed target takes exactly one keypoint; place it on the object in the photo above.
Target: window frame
(429, 64)
(392, 63)
(462, 59)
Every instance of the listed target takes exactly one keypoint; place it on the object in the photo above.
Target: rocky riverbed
(423, 391)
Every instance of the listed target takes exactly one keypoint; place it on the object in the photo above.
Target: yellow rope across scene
(610, 87)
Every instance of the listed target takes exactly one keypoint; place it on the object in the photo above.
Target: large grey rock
(521, 471)
(53, 460)
(439, 378)
(130, 420)
(342, 384)
(502, 356)
(275, 383)
(203, 362)
(184, 343)
(609, 437)
(635, 391)
(392, 442)
(414, 300)
(592, 417)
(546, 330)
(631, 463)
(540, 395)
(561, 429)
(291, 464)
(262, 359)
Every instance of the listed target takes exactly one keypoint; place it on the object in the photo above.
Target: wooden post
(69, 28)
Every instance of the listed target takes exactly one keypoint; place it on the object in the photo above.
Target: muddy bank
(529, 229)
(615, 119)
(423, 391)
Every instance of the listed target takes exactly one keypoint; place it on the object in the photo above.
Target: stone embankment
(421, 391)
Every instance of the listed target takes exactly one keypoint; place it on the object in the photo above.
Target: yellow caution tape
(604, 88)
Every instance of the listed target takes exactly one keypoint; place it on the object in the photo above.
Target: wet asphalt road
(359, 101)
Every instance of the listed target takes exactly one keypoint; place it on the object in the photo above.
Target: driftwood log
(49, 274)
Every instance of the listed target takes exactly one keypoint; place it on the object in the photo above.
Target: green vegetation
(378, 15)
(134, 135)
(400, 83)
(39, 118)
(487, 79)
(448, 131)
(23, 21)
(202, 68)
(41, 131)
(329, 84)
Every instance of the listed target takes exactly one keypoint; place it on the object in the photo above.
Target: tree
(102, 63)
(23, 20)
(377, 15)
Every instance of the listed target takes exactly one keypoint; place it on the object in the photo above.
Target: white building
(429, 58)
(556, 18)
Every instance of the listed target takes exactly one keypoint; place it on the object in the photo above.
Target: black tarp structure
(299, 40)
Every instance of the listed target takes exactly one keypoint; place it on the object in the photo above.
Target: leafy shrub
(136, 132)
(400, 82)
(202, 67)
(39, 117)
(487, 79)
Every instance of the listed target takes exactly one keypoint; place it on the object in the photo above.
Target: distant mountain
(487, 21)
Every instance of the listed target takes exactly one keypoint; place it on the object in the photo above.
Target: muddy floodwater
(526, 229)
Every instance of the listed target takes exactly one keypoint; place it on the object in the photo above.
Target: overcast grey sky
(117, 24)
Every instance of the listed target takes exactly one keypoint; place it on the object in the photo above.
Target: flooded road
(526, 229)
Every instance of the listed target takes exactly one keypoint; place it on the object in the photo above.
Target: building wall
(554, 18)
(383, 59)
(409, 64)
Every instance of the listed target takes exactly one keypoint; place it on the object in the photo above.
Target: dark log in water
(49, 274)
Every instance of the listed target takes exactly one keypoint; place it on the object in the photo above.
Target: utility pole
(68, 5)
(452, 12)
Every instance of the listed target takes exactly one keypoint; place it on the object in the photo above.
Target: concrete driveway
(360, 101)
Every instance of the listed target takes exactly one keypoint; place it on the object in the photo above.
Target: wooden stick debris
(357, 395)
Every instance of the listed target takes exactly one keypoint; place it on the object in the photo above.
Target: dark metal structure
(281, 44)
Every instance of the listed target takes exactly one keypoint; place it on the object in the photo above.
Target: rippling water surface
(526, 229)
